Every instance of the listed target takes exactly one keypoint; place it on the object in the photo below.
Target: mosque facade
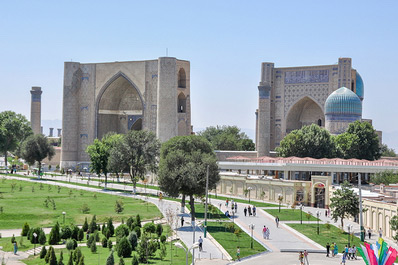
(291, 97)
(99, 98)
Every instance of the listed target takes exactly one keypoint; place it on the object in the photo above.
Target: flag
(392, 257)
(364, 254)
(371, 254)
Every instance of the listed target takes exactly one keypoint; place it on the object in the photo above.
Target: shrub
(48, 254)
(133, 240)
(93, 225)
(119, 206)
(85, 225)
(90, 240)
(61, 258)
(130, 222)
(53, 258)
(25, 230)
(12, 239)
(85, 208)
(121, 231)
(134, 260)
(104, 242)
(80, 235)
(54, 237)
(70, 245)
(43, 252)
(138, 220)
(159, 229)
(163, 251)
(121, 261)
(97, 237)
(149, 228)
(137, 230)
(66, 232)
(77, 254)
(74, 232)
(70, 261)
(93, 247)
(163, 239)
(110, 227)
(81, 260)
(110, 260)
(123, 248)
(109, 244)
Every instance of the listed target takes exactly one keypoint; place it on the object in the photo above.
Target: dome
(343, 102)
(359, 89)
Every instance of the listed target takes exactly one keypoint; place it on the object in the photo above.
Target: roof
(343, 102)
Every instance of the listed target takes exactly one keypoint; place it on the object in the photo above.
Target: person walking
(326, 213)
(277, 221)
(267, 233)
(306, 257)
(232, 206)
(336, 249)
(327, 249)
(369, 233)
(238, 253)
(15, 247)
(250, 210)
(226, 202)
(245, 211)
(182, 220)
(343, 259)
(200, 243)
(236, 206)
(264, 232)
(254, 210)
(301, 258)
(332, 249)
(380, 232)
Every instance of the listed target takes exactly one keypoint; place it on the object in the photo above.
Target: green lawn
(200, 212)
(256, 203)
(178, 256)
(21, 205)
(331, 235)
(230, 241)
(290, 215)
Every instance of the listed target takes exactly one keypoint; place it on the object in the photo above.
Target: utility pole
(207, 196)
(360, 209)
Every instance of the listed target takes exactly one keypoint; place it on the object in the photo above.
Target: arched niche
(120, 107)
(182, 78)
(182, 103)
(304, 112)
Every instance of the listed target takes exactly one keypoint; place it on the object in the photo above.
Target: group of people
(266, 232)
(334, 249)
(348, 253)
(250, 210)
(303, 257)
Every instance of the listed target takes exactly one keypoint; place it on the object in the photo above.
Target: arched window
(182, 103)
(320, 122)
(182, 78)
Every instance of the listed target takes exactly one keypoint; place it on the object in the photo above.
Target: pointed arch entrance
(304, 112)
(120, 107)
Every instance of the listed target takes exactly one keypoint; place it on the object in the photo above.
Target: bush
(25, 230)
(110, 227)
(133, 240)
(121, 261)
(77, 254)
(123, 248)
(149, 228)
(80, 235)
(70, 261)
(81, 260)
(110, 260)
(137, 230)
(97, 236)
(54, 237)
(130, 222)
(70, 245)
(61, 258)
(163, 239)
(43, 252)
(138, 220)
(93, 225)
(93, 247)
(85, 208)
(74, 232)
(66, 232)
(109, 244)
(134, 260)
(47, 256)
(104, 242)
(53, 258)
(163, 251)
(119, 206)
(90, 240)
(121, 231)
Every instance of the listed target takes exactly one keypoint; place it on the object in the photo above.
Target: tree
(43, 252)
(61, 258)
(133, 240)
(309, 141)
(386, 151)
(124, 248)
(386, 177)
(360, 141)
(54, 237)
(70, 261)
(134, 260)
(14, 129)
(110, 226)
(93, 224)
(99, 152)
(183, 165)
(121, 261)
(110, 260)
(119, 206)
(25, 230)
(53, 258)
(227, 138)
(159, 229)
(394, 226)
(344, 203)
(138, 153)
(36, 148)
(80, 235)
(85, 225)
(77, 254)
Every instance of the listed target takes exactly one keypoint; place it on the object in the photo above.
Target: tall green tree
(344, 203)
(227, 138)
(183, 166)
(99, 152)
(137, 153)
(394, 226)
(309, 141)
(386, 151)
(36, 148)
(360, 141)
(14, 129)
(386, 177)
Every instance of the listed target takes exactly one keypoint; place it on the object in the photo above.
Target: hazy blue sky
(225, 41)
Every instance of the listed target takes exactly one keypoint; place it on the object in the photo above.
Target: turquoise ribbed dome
(343, 102)
(359, 89)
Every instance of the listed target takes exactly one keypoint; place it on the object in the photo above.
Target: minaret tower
(35, 110)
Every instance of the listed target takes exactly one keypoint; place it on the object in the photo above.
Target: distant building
(291, 97)
(120, 96)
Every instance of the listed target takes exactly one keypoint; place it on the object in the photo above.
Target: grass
(331, 235)
(290, 215)
(200, 212)
(230, 241)
(256, 203)
(178, 256)
(21, 205)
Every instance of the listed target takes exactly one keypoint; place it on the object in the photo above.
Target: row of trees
(359, 141)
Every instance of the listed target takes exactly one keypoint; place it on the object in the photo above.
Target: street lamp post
(360, 209)
(207, 197)
(249, 189)
(179, 245)
(349, 227)
(301, 213)
(317, 216)
(34, 247)
(251, 226)
(64, 213)
(194, 225)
